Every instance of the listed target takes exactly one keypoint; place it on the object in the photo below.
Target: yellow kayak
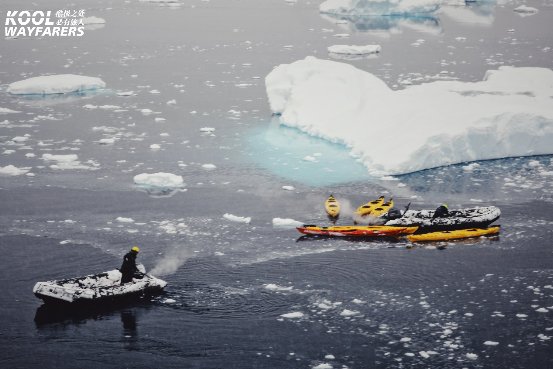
(454, 235)
(383, 209)
(332, 207)
(367, 208)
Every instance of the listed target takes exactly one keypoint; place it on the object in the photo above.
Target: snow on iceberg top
(379, 7)
(507, 114)
(55, 84)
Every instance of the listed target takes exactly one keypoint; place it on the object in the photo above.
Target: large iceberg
(508, 113)
(379, 7)
(55, 84)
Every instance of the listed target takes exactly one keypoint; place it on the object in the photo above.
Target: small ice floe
(146, 111)
(30, 155)
(294, 315)
(310, 159)
(209, 166)
(286, 223)
(471, 356)
(358, 302)
(107, 141)
(11, 170)
(410, 354)
(159, 119)
(288, 188)
(354, 49)
(124, 220)
(169, 301)
(424, 354)
(155, 147)
(405, 339)
(207, 129)
(525, 10)
(20, 139)
(159, 183)
(8, 111)
(155, 92)
(235, 218)
(330, 357)
(276, 287)
(68, 161)
(93, 20)
(323, 366)
(171, 102)
(125, 93)
(342, 35)
(491, 343)
(347, 312)
(55, 84)
(543, 337)
(522, 316)
(542, 310)
(470, 167)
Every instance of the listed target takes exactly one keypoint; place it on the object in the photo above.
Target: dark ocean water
(485, 303)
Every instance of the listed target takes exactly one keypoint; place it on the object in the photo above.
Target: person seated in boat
(128, 268)
(441, 212)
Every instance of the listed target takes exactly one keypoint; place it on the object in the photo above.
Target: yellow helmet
(135, 249)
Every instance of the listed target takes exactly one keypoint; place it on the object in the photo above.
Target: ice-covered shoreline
(509, 113)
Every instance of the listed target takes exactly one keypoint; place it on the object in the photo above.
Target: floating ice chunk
(323, 366)
(207, 129)
(410, 354)
(55, 84)
(171, 102)
(491, 343)
(286, 223)
(294, 315)
(354, 49)
(169, 301)
(330, 357)
(522, 316)
(19, 139)
(310, 158)
(155, 147)
(276, 287)
(209, 166)
(160, 180)
(542, 310)
(471, 356)
(125, 93)
(347, 312)
(124, 220)
(526, 9)
(159, 119)
(507, 114)
(235, 218)
(93, 20)
(11, 170)
(8, 111)
(405, 339)
(68, 161)
(471, 167)
(288, 188)
(106, 141)
(424, 354)
(359, 302)
(371, 7)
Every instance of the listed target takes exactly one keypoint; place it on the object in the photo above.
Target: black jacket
(129, 263)
(441, 212)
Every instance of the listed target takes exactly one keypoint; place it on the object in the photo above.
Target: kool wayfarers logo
(38, 23)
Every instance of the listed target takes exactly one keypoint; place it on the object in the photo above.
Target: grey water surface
(483, 303)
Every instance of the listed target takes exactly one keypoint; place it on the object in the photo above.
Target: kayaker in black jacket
(128, 268)
(441, 212)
